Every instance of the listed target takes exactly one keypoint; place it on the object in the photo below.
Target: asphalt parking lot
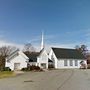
(69, 79)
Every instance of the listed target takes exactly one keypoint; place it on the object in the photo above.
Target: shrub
(6, 69)
(32, 68)
(24, 69)
(88, 66)
(50, 66)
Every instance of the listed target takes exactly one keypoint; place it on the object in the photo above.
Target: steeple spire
(42, 41)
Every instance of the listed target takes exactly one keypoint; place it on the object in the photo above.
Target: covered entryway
(43, 65)
(16, 66)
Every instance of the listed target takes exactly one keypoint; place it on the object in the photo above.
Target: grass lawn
(5, 74)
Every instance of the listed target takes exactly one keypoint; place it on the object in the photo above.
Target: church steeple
(42, 41)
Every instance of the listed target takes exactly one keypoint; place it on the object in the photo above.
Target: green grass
(5, 74)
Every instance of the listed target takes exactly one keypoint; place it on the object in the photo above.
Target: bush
(32, 68)
(50, 66)
(88, 66)
(6, 69)
(24, 69)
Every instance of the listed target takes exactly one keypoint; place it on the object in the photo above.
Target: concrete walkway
(73, 79)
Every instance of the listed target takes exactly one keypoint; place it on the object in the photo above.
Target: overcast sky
(65, 23)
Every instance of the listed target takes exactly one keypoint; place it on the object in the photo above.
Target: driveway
(70, 79)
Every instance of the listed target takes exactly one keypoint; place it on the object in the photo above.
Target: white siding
(18, 59)
(51, 54)
(43, 58)
(60, 63)
(33, 63)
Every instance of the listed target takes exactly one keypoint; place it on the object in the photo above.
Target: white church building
(59, 57)
(66, 58)
(18, 59)
(38, 59)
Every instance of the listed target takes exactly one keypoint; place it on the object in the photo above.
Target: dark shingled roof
(49, 60)
(32, 56)
(68, 53)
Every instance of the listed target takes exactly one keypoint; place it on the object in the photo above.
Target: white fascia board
(21, 53)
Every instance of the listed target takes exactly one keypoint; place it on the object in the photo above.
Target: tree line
(28, 48)
(5, 51)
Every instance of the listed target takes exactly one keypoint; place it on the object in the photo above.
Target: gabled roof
(32, 56)
(49, 60)
(15, 54)
(64, 53)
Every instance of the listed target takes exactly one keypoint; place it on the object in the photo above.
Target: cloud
(51, 40)
(64, 40)
(59, 45)
(6, 43)
(37, 39)
(87, 36)
(62, 45)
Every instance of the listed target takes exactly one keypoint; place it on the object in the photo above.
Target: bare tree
(83, 49)
(77, 47)
(28, 48)
(4, 52)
